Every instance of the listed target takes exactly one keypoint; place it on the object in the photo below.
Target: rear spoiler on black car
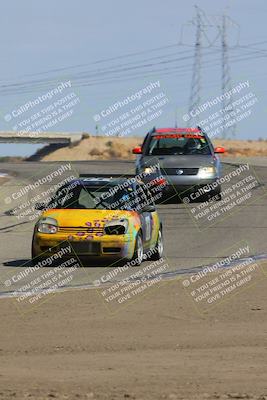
(153, 130)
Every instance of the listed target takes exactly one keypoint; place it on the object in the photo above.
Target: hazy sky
(109, 50)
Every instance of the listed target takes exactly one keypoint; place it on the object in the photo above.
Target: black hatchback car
(186, 157)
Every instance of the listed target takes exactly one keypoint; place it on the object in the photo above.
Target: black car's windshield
(90, 197)
(178, 144)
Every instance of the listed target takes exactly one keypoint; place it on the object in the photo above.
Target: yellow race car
(102, 218)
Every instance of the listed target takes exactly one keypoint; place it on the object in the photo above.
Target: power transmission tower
(203, 24)
(229, 126)
(194, 100)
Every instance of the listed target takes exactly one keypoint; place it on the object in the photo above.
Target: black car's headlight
(149, 170)
(47, 225)
(116, 227)
(207, 172)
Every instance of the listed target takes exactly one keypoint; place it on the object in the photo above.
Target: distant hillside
(96, 148)
(105, 148)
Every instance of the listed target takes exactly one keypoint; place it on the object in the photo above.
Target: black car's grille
(179, 171)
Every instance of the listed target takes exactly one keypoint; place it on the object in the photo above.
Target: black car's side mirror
(149, 208)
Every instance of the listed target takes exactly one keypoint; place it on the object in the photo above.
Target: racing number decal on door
(148, 227)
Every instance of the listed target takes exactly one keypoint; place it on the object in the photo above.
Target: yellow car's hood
(86, 218)
(85, 224)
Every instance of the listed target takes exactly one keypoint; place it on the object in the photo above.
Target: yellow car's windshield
(89, 197)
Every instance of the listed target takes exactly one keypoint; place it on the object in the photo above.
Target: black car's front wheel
(217, 194)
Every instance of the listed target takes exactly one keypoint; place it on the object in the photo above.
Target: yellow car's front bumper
(114, 246)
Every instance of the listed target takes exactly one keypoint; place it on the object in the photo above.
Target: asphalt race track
(187, 245)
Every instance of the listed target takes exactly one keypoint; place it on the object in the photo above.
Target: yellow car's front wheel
(158, 251)
(138, 250)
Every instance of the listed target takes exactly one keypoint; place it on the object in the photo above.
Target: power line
(79, 79)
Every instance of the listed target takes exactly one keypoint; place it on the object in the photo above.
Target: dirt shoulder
(106, 148)
(158, 347)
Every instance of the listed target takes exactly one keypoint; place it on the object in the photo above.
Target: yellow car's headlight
(47, 225)
(207, 172)
(116, 227)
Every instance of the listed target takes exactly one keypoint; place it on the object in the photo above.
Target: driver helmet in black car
(192, 145)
